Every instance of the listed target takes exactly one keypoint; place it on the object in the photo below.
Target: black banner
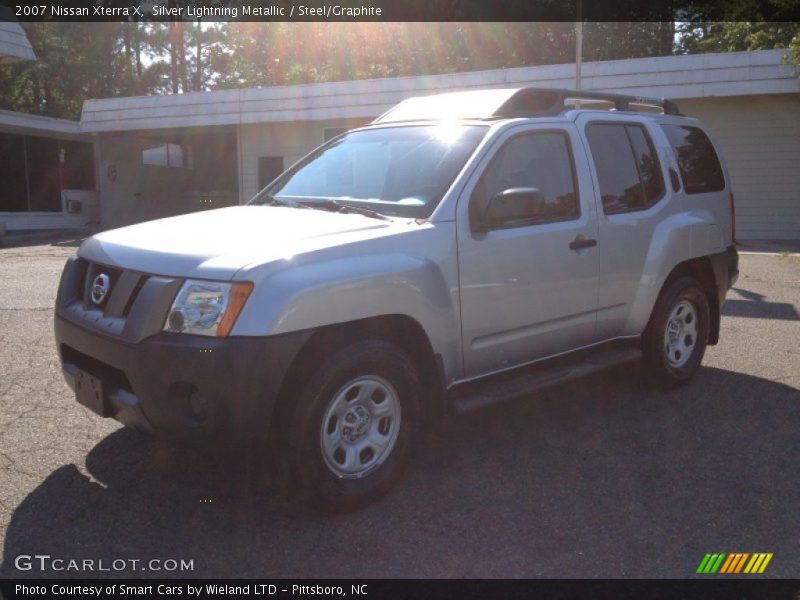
(401, 10)
(384, 589)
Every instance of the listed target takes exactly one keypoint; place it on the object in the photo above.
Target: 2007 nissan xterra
(461, 250)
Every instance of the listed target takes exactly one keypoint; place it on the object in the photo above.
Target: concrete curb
(13, 239)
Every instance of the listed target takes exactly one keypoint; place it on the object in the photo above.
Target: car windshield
(398, 171)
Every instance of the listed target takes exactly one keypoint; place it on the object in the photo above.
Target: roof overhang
(23, 123)
(14, 44)
(675, 77)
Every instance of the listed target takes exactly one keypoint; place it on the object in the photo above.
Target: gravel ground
(601, 478)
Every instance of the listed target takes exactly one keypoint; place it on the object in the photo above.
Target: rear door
(529, 288)
(630, 180)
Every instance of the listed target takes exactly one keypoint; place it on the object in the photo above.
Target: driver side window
(532, 160)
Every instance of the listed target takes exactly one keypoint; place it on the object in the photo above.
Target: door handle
(580, 242)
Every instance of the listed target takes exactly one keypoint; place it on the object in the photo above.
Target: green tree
(75, 61)
(735, 36)
(699, 37)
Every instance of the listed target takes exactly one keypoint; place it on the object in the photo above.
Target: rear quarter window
(697, 160)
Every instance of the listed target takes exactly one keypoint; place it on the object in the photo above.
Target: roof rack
(509, 103)
(550, 102)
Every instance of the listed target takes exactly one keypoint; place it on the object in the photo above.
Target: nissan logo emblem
(100, 287)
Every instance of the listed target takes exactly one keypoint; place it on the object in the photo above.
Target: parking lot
(602, 478)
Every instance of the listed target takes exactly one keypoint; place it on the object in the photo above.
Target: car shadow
(599, 478)
(757, 306)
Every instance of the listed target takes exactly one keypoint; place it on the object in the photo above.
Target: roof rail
(509, 102)
(528, 102)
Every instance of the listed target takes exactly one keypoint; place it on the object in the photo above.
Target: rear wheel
(351, 424)
(677, 335)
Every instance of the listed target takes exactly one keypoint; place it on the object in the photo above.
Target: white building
(47, 165)
(161, 155)
(47, 174)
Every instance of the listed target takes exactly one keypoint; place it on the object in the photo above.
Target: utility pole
(578, 46)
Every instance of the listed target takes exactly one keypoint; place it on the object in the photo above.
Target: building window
(697, 159)
(34, 170)
(627, 167)
(167, 155)
(43, 174)
(13, 175)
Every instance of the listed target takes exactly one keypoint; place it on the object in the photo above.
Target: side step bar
(528, 380)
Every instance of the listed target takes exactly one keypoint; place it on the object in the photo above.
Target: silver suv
(462, 250)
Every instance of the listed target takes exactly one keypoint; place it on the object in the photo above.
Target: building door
(269, 167)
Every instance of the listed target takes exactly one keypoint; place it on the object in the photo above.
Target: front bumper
(179, 384)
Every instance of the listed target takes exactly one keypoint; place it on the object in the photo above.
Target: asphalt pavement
(601, 478)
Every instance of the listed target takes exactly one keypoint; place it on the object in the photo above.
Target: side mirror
(512, 207)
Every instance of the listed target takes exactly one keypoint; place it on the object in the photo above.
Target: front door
(528, 288)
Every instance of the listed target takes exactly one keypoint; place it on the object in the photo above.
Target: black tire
(660, 361)
(309, 467)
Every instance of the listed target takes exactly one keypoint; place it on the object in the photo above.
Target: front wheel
(677, 335)
(351, 424)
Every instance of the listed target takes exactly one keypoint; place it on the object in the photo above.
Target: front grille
(133, 308)
(134, 294)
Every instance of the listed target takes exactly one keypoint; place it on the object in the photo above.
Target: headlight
(207, 307)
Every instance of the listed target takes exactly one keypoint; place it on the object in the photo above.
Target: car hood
(217, 243)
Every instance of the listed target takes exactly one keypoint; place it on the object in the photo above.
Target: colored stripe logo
(737, 562)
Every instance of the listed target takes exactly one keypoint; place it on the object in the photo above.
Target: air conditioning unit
(74, 207)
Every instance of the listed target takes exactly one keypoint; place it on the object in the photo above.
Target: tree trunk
(667, 28)
(184, 75)
(50, 109)
(173, 58)
(137, 49)
(126, 40)
(198, 73)
(173, 49)
(37, 91)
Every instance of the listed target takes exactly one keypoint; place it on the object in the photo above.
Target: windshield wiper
(334, 206)
(267, 200)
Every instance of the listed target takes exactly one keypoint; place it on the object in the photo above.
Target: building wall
(132, 192)
(291, 140)
(760, 139)
(128, 193)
